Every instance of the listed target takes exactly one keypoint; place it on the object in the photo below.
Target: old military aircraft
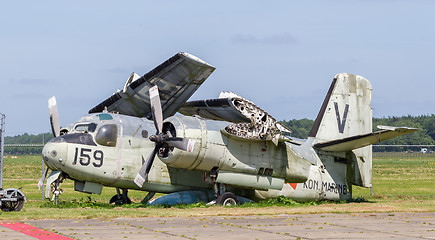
(219, 150)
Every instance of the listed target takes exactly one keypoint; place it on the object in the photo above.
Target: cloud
(276, 39)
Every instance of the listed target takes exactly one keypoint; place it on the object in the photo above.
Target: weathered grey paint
(335, 156)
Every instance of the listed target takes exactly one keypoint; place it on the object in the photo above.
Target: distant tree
(27, 139)
(424, 137)
(301, 128)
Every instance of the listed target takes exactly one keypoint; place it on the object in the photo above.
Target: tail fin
(346, 110)
(344, 124)
(345, 113)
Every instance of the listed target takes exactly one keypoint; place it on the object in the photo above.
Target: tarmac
(309, 226)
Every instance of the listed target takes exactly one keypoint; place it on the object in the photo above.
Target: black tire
(8, 206)
(227, 199)
(113, 199)
(119, 201)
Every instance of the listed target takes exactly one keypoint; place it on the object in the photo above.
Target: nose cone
(55, 154)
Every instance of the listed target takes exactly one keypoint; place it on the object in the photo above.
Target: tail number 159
(84, 156)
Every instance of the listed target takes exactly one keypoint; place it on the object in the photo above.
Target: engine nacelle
(208, 143)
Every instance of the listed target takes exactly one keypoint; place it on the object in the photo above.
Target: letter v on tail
(341, 123)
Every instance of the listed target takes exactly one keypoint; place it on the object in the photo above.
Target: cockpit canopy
(100, 127)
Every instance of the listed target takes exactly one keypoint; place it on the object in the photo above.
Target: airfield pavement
(309, 226)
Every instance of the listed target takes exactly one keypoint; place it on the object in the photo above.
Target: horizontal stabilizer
(359, 141)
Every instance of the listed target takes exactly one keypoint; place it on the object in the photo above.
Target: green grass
(399, 185)
(400, 178)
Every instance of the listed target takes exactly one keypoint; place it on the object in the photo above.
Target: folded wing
(249, 121)
(177, 78)
(222, 109)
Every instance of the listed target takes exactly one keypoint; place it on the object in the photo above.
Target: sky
(282, 55)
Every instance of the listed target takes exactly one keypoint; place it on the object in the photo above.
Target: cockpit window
(105, 116)
(107, 135)
(85, 127)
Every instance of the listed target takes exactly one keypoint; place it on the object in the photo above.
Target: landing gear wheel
(120, 199)
(10, 206)
(227, 199)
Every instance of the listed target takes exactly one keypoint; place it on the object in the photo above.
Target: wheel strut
(148, 197)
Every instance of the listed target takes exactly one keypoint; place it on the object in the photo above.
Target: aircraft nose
(55, 154)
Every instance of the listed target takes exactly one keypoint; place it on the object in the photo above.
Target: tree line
(301, 129)
(26, 138)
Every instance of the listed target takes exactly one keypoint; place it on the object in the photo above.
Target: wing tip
(390, 128)
(52, 102)
(194, 58)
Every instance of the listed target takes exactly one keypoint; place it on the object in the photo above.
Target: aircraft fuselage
(109, 149)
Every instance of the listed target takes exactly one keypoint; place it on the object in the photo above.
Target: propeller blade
(181, 143)
(54, 116)
(156, 108)
(185, 144)
(145, 169)
(41, 181)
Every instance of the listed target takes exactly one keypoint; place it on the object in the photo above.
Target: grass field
(400, 185)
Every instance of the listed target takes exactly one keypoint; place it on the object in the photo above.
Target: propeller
(163, 140)
(55, 128)
(54, 116)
